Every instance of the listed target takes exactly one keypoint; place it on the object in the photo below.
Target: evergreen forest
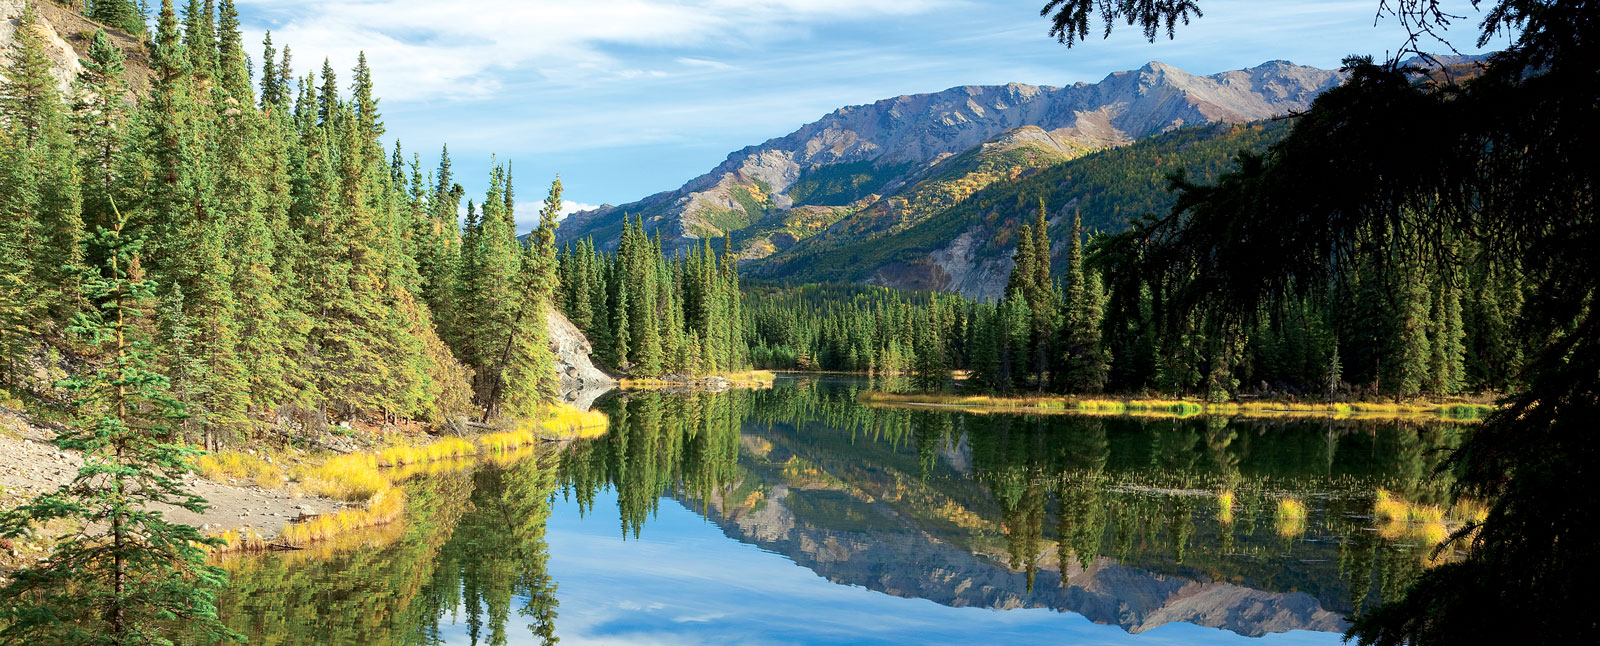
(210, 250)
(302, 271)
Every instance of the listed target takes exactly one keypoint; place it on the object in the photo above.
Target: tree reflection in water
(1115, 518)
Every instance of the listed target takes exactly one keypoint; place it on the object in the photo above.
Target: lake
(795, 515)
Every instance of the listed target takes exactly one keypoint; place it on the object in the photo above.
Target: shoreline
(1180, 408)
(275, 500)
(710, 383)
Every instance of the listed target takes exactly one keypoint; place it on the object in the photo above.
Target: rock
(64, 65)
(581, 380)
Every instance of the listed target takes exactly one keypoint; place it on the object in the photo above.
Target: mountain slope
(855, 153)
(966, 246)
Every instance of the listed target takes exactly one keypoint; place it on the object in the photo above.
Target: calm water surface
(796, 516)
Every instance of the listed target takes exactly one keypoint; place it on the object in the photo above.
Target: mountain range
(871, 174)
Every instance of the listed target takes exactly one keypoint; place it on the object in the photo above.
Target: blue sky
(625, 98)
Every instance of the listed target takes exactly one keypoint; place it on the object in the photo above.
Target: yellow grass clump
(751, 377)
(1426, 514)
(237, 540)
(566, 421)
(1181, 407)
(1434, 533)
(385, 507)
(227, 465)
(1468, 510)
(354, 477)
(1429, 524)
(1225, 507)
(1291, 517)
(507, 440)
(450, 447)
(1387, 508)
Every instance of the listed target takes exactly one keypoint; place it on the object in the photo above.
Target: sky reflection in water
(684, 582)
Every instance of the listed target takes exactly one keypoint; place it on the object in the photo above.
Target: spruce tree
(130, 575)
(123, 15)
(1411, 367)
(272, 90)
(1454, 338)
(40, 188)
(1084, 363)
(100, 124)
(1438, 382)
(200, 38)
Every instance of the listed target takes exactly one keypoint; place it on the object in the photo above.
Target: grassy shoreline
(1051, 404)
(371, 478)
(743, 379)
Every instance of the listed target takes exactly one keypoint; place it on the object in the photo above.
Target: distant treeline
(1096, 328)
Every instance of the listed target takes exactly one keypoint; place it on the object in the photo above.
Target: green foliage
(130, 574)
(1406, 168)
(125, 15)
(841, 184)
(652, 316)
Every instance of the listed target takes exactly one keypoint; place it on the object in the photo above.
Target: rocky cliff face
(899, 138)
(66, 34)
(63, 58)
(581, 380)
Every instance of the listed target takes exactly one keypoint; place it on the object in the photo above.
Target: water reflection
(1255, 527)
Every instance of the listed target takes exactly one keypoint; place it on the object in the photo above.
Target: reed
(385, 507)
(1291, 517)
(566, 421)
(1184, 408)
(226, 465)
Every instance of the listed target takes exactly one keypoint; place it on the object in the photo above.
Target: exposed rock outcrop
(581, 380)
(67, 35)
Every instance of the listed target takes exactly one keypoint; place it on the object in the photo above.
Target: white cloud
(703, 63)
(569, 207)
(431, 50)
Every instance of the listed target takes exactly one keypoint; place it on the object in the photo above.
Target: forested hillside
(302, 272)
(964, 245)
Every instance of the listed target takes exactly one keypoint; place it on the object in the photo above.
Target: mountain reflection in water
(913, 520)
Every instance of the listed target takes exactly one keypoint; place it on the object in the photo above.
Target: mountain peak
(875, 149)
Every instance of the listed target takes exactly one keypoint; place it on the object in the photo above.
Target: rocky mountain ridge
(887, 143)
